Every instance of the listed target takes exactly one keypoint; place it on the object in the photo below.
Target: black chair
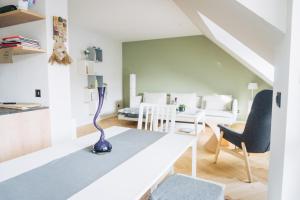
(256, 135)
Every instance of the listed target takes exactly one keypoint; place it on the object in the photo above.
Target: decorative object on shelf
(93, 54)
(252, 87)
(102, 146)
(87, 53)
(99, 57)
(60, 54)
(181, 108)
(8, 8)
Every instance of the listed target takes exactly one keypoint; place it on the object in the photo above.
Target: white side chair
(160, 118)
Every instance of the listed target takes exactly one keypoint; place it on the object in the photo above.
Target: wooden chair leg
(219, 147)
(246, 158)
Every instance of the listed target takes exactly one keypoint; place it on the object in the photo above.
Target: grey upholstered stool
(181, 187)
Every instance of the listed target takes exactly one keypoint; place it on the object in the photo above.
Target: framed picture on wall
(59, 29)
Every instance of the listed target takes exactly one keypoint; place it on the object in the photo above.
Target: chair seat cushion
(179, 187)
(232, 136)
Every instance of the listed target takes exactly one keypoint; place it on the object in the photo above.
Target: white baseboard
(108, 116)
(102, 117)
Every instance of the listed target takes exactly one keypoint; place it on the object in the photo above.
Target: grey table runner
(62, 178)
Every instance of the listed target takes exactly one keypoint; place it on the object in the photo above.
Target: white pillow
(155, 98)
(188, 99)
(217, 102)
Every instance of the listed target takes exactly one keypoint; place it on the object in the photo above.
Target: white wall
(29, 72)
(19, 80)
(110, 69)
(62, 124)
(285, 164)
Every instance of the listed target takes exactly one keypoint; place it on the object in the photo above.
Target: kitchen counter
(23, 131)
(6, 111)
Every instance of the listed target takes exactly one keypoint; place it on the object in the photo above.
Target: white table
(129, 181)
(192, 116)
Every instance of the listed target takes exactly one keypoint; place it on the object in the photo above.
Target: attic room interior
(149, 99)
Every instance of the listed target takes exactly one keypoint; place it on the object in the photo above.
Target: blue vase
(102, 146)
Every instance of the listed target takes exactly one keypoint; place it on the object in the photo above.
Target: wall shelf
(18, 17)
(20, 50)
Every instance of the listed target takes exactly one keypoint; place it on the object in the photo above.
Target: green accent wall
(186, 64)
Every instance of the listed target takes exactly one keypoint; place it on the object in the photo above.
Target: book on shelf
(19, 45)
(20, 40)
(16, 37)
(13, 37)
(17, 40)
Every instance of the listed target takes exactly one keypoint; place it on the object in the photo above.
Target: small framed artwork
(59, 29)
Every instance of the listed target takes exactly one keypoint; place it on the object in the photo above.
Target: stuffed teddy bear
(60, 54)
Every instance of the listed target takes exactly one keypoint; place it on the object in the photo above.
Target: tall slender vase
(102, 146)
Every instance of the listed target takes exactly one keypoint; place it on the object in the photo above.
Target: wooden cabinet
(23, 133)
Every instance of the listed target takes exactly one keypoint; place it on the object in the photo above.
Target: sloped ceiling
(132, 20)
(244, 34)
(272, 11)
(239, 51)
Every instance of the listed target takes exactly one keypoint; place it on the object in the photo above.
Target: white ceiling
(132, 20)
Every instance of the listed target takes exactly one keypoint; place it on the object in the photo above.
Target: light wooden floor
(229, 170)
